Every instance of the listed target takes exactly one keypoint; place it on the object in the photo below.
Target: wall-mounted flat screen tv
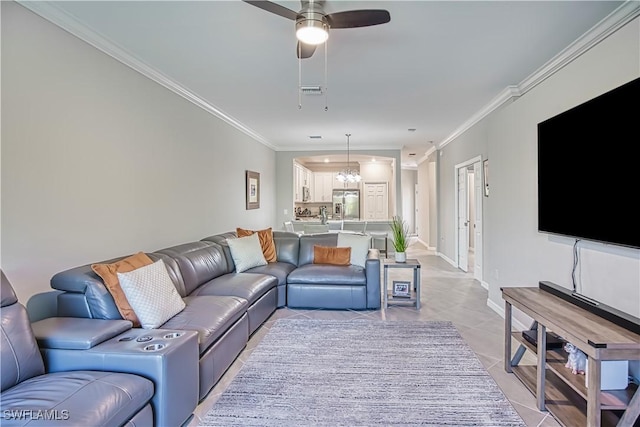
(588, 174)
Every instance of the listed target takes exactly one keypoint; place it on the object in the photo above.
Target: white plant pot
(401, 257)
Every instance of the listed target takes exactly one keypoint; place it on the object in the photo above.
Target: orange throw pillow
(266, 242)
(109, 274)
(331, 255)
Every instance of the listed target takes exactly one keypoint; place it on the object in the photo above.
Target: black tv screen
(588, 174)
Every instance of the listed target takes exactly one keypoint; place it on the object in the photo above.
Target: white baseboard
(500, 310)
(449, 260)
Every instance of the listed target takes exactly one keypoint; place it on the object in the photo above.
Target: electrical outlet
(286, 211)
(497, 274)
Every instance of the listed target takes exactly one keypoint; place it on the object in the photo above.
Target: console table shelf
(557, 390)
(556, 360)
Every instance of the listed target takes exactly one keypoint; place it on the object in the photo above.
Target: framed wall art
(253, 190)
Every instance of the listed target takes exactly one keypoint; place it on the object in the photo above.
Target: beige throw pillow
(359, 245)
(152, 294)
(246, 252)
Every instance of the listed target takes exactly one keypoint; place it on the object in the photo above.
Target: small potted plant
(399, 238)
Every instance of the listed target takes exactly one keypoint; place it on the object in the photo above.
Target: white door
(463, 221)
(477, 226)
(376, 201)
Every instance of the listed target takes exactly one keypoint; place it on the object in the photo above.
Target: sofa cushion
(308, 241)
(152, 294)
(266, 242)
(330, 255)
(280, 270)
(19, 354)
(87, 398)
(210, 316)
(197, 262)
(244, 285)
(109, 275)
(246, 252)
(359, 245)
(316, 274)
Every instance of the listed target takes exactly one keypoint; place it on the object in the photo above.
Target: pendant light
(348, 175)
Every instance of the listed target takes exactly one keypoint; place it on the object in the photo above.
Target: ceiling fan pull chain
(326, 89)
(299, 77)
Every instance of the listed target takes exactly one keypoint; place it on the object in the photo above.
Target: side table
(414, 287)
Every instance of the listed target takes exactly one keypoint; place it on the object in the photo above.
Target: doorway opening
(469, 193)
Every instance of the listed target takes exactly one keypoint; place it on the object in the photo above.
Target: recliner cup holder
(154, 347)
(173, 335)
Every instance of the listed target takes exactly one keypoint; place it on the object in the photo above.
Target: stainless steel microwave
(305, 194)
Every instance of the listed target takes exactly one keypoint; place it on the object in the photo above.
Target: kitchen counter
(349, 224)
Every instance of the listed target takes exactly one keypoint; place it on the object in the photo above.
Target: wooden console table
(556, 389)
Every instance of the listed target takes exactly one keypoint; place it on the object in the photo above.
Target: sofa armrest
(372, 271)
(72, 333)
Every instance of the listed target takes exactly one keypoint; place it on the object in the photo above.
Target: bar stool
(378, 235)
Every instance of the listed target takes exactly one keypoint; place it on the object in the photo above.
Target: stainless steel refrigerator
(346, 204)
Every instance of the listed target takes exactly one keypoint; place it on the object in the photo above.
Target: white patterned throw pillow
(151, 294)
(246, 252)
(359, 245)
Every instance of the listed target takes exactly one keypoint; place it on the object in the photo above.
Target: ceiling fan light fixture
(312, 31)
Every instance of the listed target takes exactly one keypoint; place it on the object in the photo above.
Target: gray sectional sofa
(222, 306)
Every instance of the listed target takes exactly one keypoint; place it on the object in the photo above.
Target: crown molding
(603, 29)
(426, 155)
(69, 23)
(607, 26)
(625, 13)
(506, 95)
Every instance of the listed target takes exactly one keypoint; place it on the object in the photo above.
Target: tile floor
(447, 294)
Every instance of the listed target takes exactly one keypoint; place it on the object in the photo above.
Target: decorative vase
(401, 257)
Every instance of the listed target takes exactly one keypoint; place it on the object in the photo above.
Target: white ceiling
(432, 68)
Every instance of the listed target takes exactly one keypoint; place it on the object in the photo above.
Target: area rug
(362, 373)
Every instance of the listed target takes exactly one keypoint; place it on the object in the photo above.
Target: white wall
(515, 254)
(427, 201)
(99, 161)
(409, 180)
(609, 274)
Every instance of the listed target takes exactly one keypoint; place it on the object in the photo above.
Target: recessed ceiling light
(373, 159)
(326, 160)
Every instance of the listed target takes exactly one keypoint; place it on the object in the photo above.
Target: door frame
(477, 206)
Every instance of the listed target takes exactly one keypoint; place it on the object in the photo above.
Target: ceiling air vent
(311, 90)
(315, 136)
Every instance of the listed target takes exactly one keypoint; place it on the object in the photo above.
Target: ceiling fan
(313, 24)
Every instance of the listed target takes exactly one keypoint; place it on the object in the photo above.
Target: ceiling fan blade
(358, 18)
(304, 50)
(274, 8)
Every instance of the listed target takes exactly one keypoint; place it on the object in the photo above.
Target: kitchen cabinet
(302, 177)
(323, 183)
